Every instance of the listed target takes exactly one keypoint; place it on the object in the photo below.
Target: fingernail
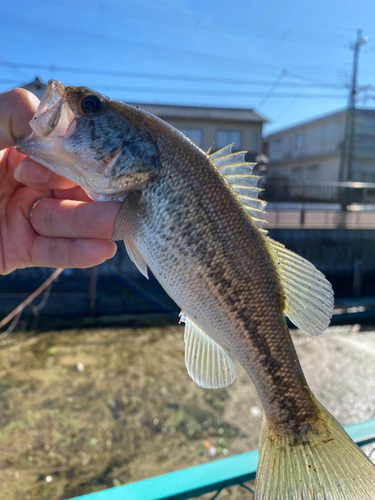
(114, 250)
(30, 173)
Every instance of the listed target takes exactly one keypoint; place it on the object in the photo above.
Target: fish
(196, 221)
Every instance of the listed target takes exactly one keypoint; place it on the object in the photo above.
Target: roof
(201, 113)
(322, 118)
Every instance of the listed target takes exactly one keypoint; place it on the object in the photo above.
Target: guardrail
(344, 193)
(209, 477)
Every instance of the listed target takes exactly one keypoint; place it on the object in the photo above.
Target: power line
(274, 85)
(210, 25)
(71, 35)
(203, 92)
(218, 92)
(154, 76)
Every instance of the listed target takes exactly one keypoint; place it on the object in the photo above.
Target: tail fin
(323, 464)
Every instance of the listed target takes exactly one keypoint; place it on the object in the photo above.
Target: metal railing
(210, 477)
(344, 193)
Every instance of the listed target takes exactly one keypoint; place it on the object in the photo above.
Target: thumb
(17, 108)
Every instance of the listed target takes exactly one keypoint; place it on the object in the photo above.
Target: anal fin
(208, 364)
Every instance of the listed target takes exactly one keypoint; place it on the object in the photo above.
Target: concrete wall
(121, 289)
(335, 252)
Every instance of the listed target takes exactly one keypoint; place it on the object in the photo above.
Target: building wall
(307, 140)
(320, 169)
(295, 152)
(250, 134)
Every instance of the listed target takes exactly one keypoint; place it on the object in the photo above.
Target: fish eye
(91, 105)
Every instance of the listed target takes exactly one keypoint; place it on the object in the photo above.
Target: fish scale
(230, 268)
(196, 221)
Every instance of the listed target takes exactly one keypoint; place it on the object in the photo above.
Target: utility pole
(348, 144)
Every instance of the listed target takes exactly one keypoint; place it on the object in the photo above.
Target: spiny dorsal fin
(238, 174)
(208, 364)
(308, 293)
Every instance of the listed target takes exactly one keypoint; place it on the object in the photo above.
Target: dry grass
(83, 410)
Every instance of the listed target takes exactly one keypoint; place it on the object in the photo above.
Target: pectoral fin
(126, 222)
(208, 364)
(136, 257)
(125, 228)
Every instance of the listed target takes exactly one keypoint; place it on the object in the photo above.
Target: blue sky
(262, 55)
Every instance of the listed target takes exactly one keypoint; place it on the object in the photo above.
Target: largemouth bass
(195, 221)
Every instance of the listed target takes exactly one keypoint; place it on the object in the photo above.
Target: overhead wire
(155, 76)
(214, 92)
(117, 44)
(271, 90)
(71, 34)
(210, 24)
(203, 92)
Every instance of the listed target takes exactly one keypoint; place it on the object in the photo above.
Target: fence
(344, 193)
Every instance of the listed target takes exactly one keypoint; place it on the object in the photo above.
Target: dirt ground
(85, 410)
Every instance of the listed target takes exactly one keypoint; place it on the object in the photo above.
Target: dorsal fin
(238, 173)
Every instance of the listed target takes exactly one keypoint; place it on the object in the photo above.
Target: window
(312, 173)
(329, 133)
(255, 141)
(275, 148)
(367, 176)
(296, 175)
(194, 134)
(225, 137)
(298, 140)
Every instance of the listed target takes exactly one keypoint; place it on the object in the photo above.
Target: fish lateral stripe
(191, 224)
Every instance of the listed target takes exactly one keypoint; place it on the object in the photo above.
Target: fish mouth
(25, 146)
(52, 119)
(54, 92)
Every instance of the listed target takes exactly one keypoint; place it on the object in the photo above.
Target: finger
(76, 193)
(64, 253)
(17, 108)
(74, 219)
(33, 174)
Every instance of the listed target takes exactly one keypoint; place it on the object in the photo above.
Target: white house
(313, 151)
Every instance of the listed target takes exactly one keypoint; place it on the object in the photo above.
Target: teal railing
(205, 478)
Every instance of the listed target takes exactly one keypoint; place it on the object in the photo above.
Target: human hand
(67, 229)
